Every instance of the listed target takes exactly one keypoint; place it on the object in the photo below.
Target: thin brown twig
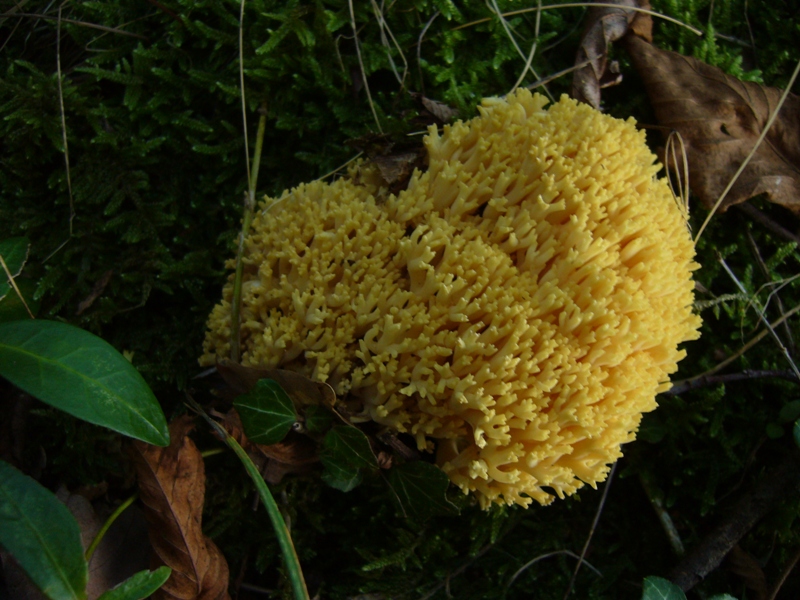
(748, 510)
(591, 531)
(775, 227)
(708, 380)
(784, 576)
(755, 340)
(75, 22)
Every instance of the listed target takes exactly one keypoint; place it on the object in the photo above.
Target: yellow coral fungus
(516, 309)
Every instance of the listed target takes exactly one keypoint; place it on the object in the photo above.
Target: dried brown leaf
(745, 565)
(604, 25)
(441, 111)
(302, 390)
(720, 118)
(294, 454)
(172, 488)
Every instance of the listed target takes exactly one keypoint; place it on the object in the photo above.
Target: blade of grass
(290, 559)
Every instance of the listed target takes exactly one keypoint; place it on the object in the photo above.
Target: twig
(74, 22)
(760, 336)
(707, 380)
(755, 214)
(789, 567)
(591, 531)
(750, 508)
(746, 161)
(763, 316)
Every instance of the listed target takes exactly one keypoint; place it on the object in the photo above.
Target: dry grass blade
(172, 487)
(75, 22)
(14, 285)
(384, 27)
(361, 65)
(64, 119)
(592, 530)
(645, 11)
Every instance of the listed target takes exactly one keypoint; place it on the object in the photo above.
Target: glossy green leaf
(341, 477)
(318, 419)
(796, 432)
(420, 489)
(12, 308)
(79, 373)
(138, 586)
(722, 597)
(267, 412)
(14, 252)
(41, 534)
(658, 588)
(348, 446)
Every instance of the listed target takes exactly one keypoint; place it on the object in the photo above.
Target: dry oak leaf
(604, 25)
(720, 118)
(172, 486)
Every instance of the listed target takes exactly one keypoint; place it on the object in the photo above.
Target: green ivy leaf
(349, 447)
(790, 412)
(267, 412)
(420, 490)
(138, 586)
(14, 252)
(11, 307)
(42, 536)
(318, 419)
(658, 588)
(79, 373)
(341, 477)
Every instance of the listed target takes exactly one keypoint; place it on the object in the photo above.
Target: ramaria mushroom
(516, 309)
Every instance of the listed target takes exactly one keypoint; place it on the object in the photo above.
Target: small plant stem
(591, 531)
(656, 498)
(763, 317)
(290, 560)
(249, 208)
(107, 525)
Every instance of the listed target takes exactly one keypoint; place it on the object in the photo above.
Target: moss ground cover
(150, 207)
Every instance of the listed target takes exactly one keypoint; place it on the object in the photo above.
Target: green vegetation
(130, 244)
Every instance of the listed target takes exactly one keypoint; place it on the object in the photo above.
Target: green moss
(154, 126)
